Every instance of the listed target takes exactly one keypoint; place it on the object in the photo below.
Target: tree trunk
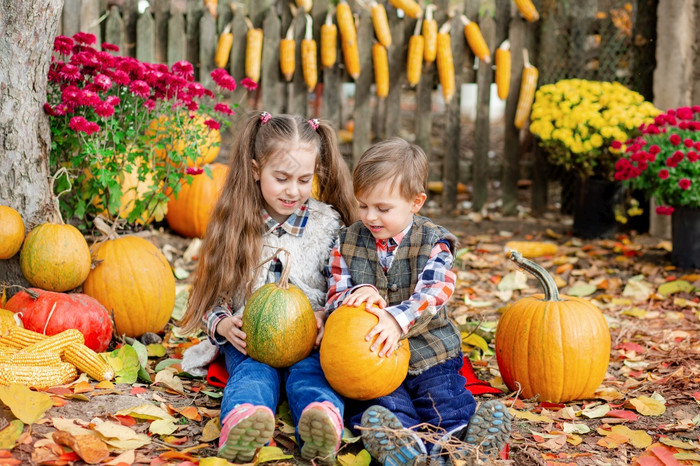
(27, 31)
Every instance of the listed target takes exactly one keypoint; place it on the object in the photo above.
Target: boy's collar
(398, 237)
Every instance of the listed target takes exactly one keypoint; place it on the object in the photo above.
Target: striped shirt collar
(294, 225)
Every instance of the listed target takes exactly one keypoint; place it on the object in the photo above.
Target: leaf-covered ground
(647, 410)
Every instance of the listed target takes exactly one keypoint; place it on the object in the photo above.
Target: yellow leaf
(635, 312)
(596, 411)
(213, 461)
(648, 406)
(675, 287)
(105, 385)
(10, 435)
(168, 379)
(146, 411)
(211, 431)
(612, 440)
(272, 454)
(162, 427)
(574, 439)
(638, 438)
(27, 405)
(528, 415)
(608, 394)
(361, 459)
(475, 340)
(677, 443)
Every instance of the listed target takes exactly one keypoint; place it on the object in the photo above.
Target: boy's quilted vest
(433, 337)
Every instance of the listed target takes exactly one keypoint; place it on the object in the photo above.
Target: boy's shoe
(320, 428)
(244, 430)
(388, 441)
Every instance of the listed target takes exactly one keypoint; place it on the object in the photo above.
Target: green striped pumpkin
(279, 324)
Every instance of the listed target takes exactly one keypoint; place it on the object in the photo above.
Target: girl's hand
(365, 294)
(230, 328)
(387, 331)
(320, 321)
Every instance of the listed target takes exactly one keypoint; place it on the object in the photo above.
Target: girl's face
(285, 179)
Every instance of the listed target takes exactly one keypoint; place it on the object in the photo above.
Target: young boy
(402, 262)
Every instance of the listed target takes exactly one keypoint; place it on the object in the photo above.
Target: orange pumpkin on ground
(11, 232)
(347, 362)
(189, 212)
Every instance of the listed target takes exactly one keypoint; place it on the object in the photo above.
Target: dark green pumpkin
(279, 324)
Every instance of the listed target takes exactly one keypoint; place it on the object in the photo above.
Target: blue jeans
(256, 383)
(436, 396)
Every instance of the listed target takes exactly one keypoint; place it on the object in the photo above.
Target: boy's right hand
(365, 294)
(230, 328)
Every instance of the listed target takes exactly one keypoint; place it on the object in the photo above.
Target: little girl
(265, 205)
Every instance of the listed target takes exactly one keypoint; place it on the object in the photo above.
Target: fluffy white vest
(308, 253)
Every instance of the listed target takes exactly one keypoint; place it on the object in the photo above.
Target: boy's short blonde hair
(392, 160)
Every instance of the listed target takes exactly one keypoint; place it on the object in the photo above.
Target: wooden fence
(170, 30)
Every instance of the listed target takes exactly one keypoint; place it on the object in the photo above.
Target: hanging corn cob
(527, 9)
(476, 41)
(381, 69)
(410, 7)
(445, 65)
(430, 30)
(414, 61)
(528, 84)
(305, 4)
(348, 38)
(253, 52)
(503, 69)
(329, 42)
(381, 24)
(211, 6)
(308, 56)
(223, 48)
(287, 52)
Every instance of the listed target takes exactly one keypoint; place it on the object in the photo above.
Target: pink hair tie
(314, 123)
(265, 117)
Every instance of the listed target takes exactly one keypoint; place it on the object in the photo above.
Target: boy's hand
(365, 294)
(387, 330)
(230, 328)
(320, 325)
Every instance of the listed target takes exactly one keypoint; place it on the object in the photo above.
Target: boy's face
(385, 212)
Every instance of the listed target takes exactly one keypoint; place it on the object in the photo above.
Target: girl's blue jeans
(256, 383)
(436, 396)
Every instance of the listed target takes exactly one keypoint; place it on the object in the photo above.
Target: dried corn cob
(410, 7)
(39, 377)
(476, 41)
(430, 30)
(21, 358)
(528, 84)
(381, 69)
(287, 52)
(381, 24)
(88, 361)
(445, 65)
(503, 69)
(253, 52)
(305, 4)
(17, 337)
(527, 9)
(414, 61)
(308, 56)
(329, 42)
(56, 343)
(348, 39)
(223, 49)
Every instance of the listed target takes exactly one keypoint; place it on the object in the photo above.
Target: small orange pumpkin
(133, 280)
(347, 362)
(11, 232)
(55, 257)
(556, 348)
(189, 212)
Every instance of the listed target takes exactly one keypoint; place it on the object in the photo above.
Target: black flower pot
(685, 236)
(594, 208)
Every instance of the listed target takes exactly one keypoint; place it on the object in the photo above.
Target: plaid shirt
(435, 286)
(294, 225)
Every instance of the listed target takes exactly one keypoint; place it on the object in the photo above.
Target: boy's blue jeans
(256, 383)
(436, 396)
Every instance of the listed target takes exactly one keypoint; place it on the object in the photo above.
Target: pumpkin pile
(11, 232)
(279, 322)
(553, 347)
(347, 362)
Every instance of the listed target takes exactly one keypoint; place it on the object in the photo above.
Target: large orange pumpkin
(189, 213)
(556, 348)
(175, 137)
(347, 362)
(133, 280)
(279, 323)
(11, 232)
(55, 257)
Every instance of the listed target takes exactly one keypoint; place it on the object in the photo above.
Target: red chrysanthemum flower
(616, 144)
(150, 104)
(102, 81)
(687, 142)
(63, 45)
(675, 139)
(692, 156)
(110, 47)
(85, 38)
(654, 149)
(684, 183)
(212, 124)
(70, 73)
(140, 88)
(249, 84)
(663, 173)
(194, 170)
(192, 106)
(224, 109)
(664, 210)
(49, 110)
(104, 110)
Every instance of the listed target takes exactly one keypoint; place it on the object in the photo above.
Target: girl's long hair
(232, 245)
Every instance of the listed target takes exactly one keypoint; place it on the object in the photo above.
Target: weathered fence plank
(70, 23)
(397, 70)
(161, 15)
(207, 48)
(90, 18)
(300, 92)
(177, 38)
(511, 150)
(194, 12)
(130, 15)
(114, 29)
(145, 47)
(363, 92)
(272, 87)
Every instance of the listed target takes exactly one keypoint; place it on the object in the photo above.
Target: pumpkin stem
(284, 278)
(32, 294)
(551, 292)
(108, 231)
(57, 217)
